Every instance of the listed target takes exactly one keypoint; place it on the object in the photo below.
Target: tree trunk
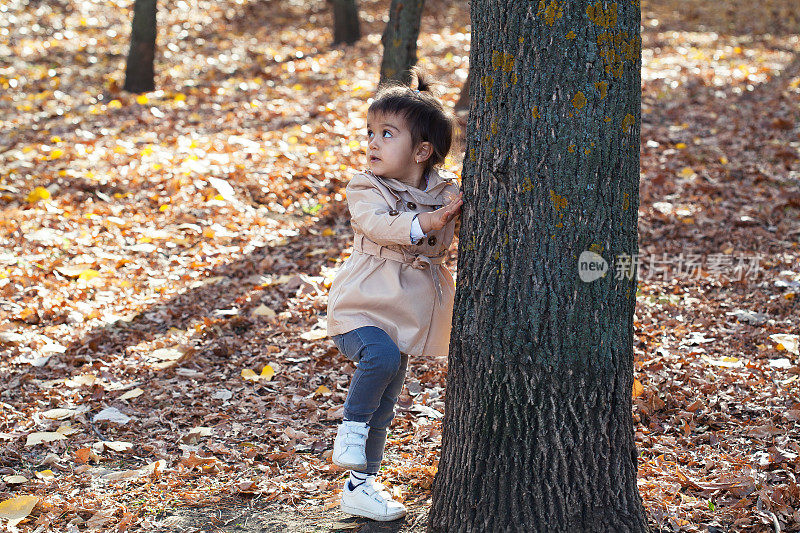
(139, 75)
(538, 433)
(346, 27)
(400, 40)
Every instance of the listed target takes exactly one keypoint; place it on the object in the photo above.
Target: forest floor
(165, 260)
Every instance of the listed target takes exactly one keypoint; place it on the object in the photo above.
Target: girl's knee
(389, 362)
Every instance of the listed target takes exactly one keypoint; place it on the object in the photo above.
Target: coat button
(432, 240)
(393, 212)
(411, 205)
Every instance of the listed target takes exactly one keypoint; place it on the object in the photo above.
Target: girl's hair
(426, 117)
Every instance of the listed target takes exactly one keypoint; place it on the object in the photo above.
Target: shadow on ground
(254, 515)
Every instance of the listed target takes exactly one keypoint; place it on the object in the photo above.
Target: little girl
(393, 297)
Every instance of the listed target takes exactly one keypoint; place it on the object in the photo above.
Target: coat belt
(418, 261)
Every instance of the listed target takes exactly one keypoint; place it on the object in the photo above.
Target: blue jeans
(376, 384)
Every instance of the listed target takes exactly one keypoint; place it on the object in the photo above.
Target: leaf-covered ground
(165, 260)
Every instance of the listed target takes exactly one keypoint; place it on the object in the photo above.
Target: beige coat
(387, 281)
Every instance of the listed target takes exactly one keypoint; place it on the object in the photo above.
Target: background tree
(139, 75)
(538, 433)
(462, 104)
(346, 27)
(400, 39)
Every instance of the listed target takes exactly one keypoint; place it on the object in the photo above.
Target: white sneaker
(349, 445)
(371, 500)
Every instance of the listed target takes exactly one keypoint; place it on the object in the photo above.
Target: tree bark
(346, 27)
(538, 430)
(139, 75)
(400, 40)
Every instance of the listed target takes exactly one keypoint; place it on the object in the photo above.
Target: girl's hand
(436, 220)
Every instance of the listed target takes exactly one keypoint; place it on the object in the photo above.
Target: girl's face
(390, 154)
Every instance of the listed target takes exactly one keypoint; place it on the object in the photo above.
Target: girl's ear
(424, 151)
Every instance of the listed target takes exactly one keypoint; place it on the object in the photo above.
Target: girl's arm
(372, 216)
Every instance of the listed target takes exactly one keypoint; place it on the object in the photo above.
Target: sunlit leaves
(786, 341)
(38, 193)
(15, 510)
(638, 389)
(266, 374)
(40, 437)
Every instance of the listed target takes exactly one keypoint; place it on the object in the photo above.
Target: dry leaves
(159, 249)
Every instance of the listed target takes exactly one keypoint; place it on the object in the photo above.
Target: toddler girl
(392, 297)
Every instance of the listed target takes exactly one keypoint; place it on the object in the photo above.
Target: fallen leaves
(196, 434)
(40, 437)
(45, 475)
(788, 342)
(38, 193)
(59, 414)
(169, 357)
(100, 518)
(15, 510)
(638, 389)
(135, 217)
(82, 380)
(131, 394)
(263, 310)
(114, 445)
(314, 334)
(205, 465)
(694, 406)
(727, 361)
(266, 374)
(84, 455)
(739, 487)
(112, 414)
(73, 271)
(765, 431)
